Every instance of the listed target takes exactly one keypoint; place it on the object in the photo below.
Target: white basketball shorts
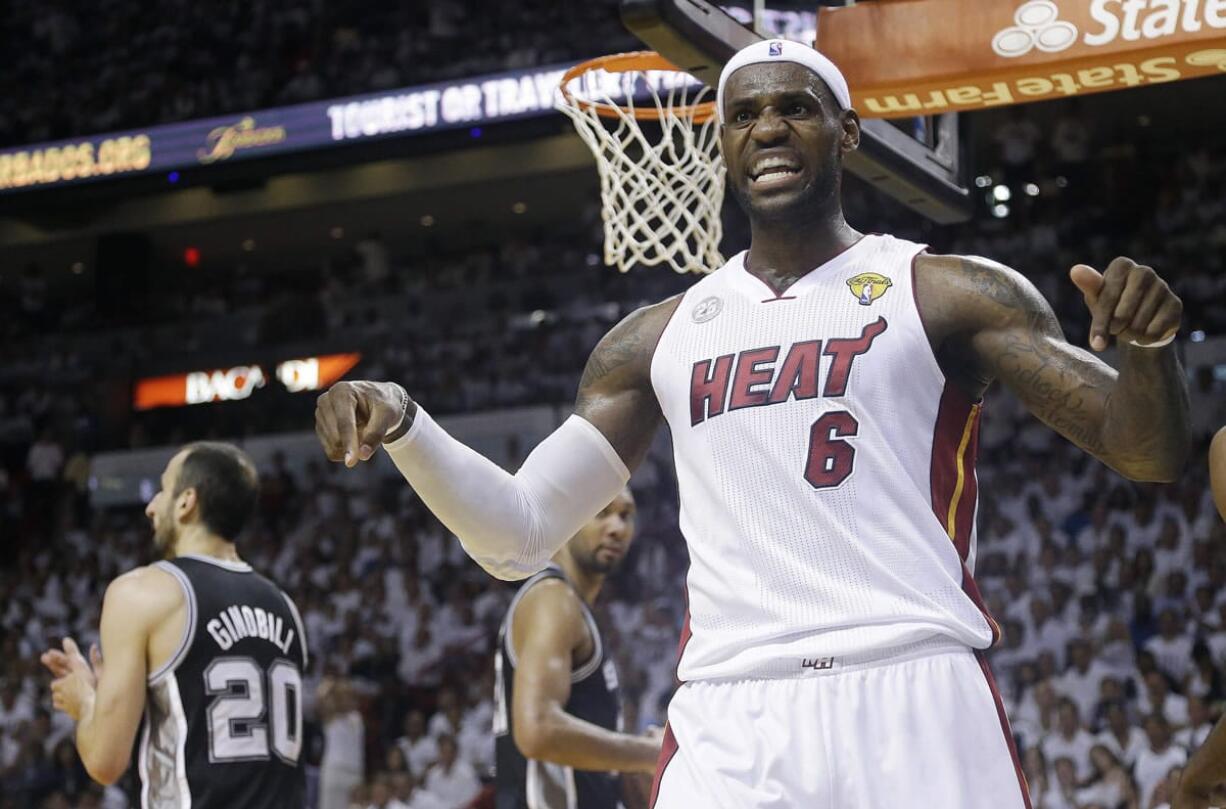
(924, 731)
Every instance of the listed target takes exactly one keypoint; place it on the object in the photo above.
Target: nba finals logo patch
(776, 49)
(868, 287)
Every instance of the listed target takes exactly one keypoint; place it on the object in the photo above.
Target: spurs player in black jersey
(206, 650)
(557, 723)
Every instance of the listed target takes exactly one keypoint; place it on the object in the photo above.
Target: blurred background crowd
(1111, 595)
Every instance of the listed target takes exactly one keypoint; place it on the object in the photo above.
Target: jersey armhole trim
(509, 621)
(919, 313)
(593, 663)
(651, 363)
(577, 674)
(189, 629)
(302, 638)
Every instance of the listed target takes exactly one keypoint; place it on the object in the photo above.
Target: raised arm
(547, 629)
(988, 322)
(512, 524)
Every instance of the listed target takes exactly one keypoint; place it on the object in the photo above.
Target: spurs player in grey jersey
(206, 650)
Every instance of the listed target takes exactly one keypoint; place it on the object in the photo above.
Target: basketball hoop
(660, 191)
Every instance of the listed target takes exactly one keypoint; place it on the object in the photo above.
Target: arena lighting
(1197, 336)
(1000, 211)
(519, 207)
(240, 381)
(1032, 190)
(983, 181)
(427, 221)
(191, 256)
(248, 245)
(77, 268)
(1001, 193)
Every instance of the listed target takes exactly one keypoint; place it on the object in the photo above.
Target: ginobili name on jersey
(240, 621)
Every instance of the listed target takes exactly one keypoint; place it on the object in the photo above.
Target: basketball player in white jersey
(823, 393)
(1203, 781)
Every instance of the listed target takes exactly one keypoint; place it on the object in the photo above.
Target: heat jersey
(524, 783)
(825, 467)
(223, 719)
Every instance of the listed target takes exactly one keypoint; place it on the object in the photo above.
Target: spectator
(1158, 758)
(343, 764)
(1110, 785)
(1158, 699)
(452, 780)
(1070, 741)
(1171, 647)
(382, 796)
(1061, 790)
(1199, 724)
(1081, 681)
(406, 791)
(420, 749)
(1123, 739)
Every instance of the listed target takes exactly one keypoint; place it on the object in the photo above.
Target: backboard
(919, 161)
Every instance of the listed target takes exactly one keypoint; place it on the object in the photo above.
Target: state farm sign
(948, 55)
(1037, 24)
(239, 382)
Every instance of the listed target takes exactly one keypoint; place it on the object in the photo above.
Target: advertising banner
(924, 57)
(240, 381)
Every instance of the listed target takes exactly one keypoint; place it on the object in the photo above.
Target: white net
(661, 173)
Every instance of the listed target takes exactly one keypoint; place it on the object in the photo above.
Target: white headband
(782, 50)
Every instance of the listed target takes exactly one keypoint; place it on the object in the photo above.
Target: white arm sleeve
(511, 524)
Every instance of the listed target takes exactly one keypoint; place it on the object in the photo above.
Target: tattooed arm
(988, 322)
(615, 393)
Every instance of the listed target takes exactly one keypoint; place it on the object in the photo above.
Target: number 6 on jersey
(831, 459)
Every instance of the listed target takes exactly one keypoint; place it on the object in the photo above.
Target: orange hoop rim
(624, 63)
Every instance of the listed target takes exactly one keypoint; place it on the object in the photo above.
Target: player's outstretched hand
(353, 418)
(1128, 301)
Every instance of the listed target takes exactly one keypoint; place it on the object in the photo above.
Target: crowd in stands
(119, 64)
(1111, 596)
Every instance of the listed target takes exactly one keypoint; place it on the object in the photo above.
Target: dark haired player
(209, 652)
(557, 724)
(823, 392)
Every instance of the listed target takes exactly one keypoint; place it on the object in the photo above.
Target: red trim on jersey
(667, 750)
(955, 445)
(972, 591)
(660, 336)
(686, 634)
(953, 476)
(1004, 726)
(952, 415)
(778, 294)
